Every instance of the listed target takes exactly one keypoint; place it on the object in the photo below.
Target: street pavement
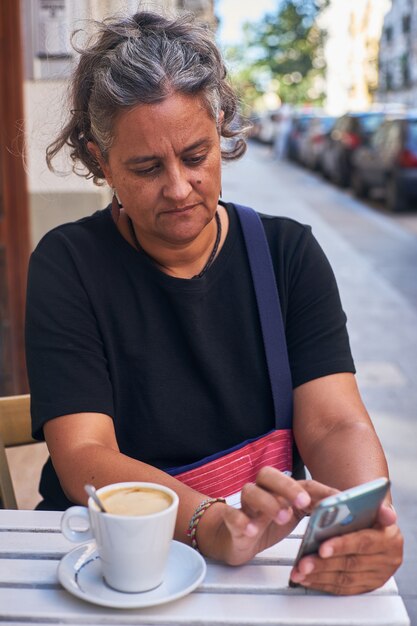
(374, 257)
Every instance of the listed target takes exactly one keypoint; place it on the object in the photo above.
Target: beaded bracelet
(198, 514)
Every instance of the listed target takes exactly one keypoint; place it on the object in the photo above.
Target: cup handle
(70, 533)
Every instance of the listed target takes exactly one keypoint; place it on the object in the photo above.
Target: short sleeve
(66, 361)
(317, 337)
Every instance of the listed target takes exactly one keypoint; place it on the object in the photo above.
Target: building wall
(203, 9)
(53, 198)
(351, 52)
(398, 54)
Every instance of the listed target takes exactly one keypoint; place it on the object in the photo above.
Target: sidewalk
(375, 262)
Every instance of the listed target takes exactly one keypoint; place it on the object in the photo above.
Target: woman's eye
(148, 171)
(195, 160)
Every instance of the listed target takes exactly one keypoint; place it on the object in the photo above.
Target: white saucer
(79, 572)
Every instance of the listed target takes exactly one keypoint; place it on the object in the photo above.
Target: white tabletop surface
(31, 546)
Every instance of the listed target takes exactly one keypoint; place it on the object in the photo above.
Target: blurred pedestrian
(282, 121)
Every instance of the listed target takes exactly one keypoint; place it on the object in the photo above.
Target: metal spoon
(93, 494)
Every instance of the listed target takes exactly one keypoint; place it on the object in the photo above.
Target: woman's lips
(184, 209)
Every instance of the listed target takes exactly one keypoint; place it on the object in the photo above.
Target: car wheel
(340, 176)
(315, 164)
(360, 188)
(394, 198)
(325, 171)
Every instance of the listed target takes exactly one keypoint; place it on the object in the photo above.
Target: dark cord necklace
(211, 257)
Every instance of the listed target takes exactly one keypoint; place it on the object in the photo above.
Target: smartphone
(345, 512)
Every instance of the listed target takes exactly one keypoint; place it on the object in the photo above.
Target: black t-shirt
(178, 364)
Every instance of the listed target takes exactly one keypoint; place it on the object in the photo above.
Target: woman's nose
(177, 185)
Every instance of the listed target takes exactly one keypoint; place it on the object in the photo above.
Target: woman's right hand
(270, 509)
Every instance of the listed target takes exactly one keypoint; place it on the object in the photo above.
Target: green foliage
(284, 51)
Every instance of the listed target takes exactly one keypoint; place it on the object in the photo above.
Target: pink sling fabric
(226, 475)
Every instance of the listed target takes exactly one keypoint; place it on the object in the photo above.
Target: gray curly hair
(141, 60)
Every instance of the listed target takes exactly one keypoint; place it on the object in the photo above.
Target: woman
(144, 346)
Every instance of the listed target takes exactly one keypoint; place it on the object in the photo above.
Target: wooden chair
(15, 430)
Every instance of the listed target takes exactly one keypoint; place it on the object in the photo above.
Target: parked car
(299, 125)
(255, 126)
(312, 142)
(267, 124)
(349, 132)
(389, 162)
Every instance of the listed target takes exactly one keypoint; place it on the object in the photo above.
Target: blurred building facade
(48, 61)
(398, 54)
(351, 52)
(203, 9)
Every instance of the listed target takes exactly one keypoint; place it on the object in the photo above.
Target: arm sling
(224, 473)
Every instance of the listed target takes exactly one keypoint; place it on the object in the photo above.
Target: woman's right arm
(84, 449)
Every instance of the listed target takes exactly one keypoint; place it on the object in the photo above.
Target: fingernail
(302, 500)
(283, 516)
(251, 530)
(326, 551)
(297, 577)
(308, 568)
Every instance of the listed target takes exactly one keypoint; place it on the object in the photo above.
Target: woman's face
(165, 164)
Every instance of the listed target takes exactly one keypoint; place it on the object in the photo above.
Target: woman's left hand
(357, 562)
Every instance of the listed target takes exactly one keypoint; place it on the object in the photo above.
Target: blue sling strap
(270, 315)
(213, 474)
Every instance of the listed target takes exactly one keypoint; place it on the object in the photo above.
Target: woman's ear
(95, 151)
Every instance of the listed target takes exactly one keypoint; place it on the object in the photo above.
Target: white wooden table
(31, 546)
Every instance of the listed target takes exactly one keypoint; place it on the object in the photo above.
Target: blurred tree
(284, 51)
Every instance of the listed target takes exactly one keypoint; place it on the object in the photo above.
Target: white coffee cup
(133, 548)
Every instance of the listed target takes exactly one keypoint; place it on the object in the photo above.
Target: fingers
(277, 497)
(386, 515)
(278, 484)
(239, 524)
(258, 502)
(317, 492)
(267, 509)
(354, 563)
(341, 576)
(259, 508)
(367, 542)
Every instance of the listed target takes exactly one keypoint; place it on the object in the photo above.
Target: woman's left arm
(339, 445)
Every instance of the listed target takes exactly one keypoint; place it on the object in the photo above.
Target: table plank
(47, 521)
(28, 573)
(282, 553)
(58, 606)
(16, 544)
(219, 578)
(50, 521)
(263, 579)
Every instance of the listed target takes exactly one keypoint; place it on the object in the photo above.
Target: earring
(115, 207)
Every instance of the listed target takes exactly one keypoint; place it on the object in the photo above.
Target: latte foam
(135, 501)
